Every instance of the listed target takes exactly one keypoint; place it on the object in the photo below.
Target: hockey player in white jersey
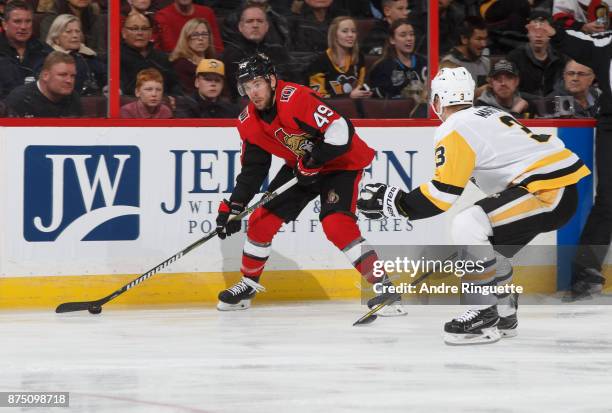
(530, 180)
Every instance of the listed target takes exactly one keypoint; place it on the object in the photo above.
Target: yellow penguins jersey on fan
(492, 147)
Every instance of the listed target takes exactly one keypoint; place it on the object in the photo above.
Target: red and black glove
(307, 170)
(227, 226)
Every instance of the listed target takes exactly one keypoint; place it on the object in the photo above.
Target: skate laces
(254, 285)
(238, 288)
(467, 316)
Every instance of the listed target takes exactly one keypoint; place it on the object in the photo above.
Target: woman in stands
(340, 70)
(93, 23)
(149, 93)
(65, 36)
(401, 73)
(194, 44)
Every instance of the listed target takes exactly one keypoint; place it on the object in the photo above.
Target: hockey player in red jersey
(319, 147)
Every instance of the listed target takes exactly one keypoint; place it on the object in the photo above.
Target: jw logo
(81, 193)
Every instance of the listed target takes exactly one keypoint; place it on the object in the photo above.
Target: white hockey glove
(377, 201)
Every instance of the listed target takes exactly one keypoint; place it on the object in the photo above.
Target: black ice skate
(473, 327)
(393, 302)
(585, 284)
(238, 297)
(507, 326)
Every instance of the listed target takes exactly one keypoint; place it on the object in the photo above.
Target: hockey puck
(95, 309)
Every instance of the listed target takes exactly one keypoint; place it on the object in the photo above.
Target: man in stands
(468, 51)
(138, 53)
(253, 28)
(21, 56)
(539, 65)
(503, 93)
(53, 96)
(578, 83)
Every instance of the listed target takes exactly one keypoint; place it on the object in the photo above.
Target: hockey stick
(370, 316)
(95, 306)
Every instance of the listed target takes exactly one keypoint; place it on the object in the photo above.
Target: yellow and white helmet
(452, 86)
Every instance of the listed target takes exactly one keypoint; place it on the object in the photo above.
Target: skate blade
(242, 305)
(488, 336)
(508, 333)
(392, 310)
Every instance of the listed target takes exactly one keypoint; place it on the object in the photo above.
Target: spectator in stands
(392, 10)
(578, 82)
(206, 101)
(195, 43)
(400, 73)
(144, 7)
(65, 36)
(340, 70)
(253, 28)
(503, 91)
(93, 23)
(451, 16)
(21, 56)
(469, 50)
(540, 66)
(149, 93)
(309, 24)
(588, 16)
(138, 53)
(173, 17)
(278, 32)
(53, 95)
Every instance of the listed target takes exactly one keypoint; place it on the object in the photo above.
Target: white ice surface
(307, 357)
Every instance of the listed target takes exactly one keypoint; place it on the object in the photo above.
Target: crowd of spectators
(349, 51)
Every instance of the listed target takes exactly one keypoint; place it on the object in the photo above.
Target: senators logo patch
(244, 115)
(286, 93)
(298, 144)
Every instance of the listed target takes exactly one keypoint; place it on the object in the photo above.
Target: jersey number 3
(510, 121)
(440, 156)
(321, 116)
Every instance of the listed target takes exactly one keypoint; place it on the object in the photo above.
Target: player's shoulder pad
(244, 115)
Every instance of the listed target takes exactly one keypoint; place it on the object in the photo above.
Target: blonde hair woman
(194, 44)
(340, 70)
(65, 35)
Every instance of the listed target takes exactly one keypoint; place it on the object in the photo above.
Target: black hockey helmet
(257, 65)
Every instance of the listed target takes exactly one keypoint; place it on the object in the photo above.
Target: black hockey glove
(307, 170)
(378, 201)
(227, 210)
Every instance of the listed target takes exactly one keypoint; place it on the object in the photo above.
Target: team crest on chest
(343, 84)
(299, 144)
(286, 93)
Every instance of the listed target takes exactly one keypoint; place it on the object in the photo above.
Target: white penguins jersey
(491, 146)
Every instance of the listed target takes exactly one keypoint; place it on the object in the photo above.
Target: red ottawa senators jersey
(297, 124)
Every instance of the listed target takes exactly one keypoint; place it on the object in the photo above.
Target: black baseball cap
(539, 14)
(503, 66)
